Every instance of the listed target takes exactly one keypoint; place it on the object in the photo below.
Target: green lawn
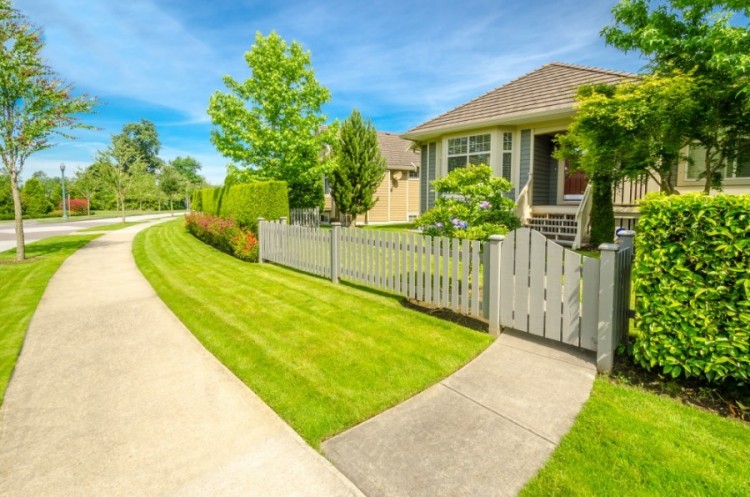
(21, 288)
(112, 227)
(398, 228)
(323, 356)
(628, 442)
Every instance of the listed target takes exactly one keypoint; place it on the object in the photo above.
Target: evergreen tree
(34, 198)
(358, 167)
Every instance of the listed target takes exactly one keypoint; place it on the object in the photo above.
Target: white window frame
(468, 154)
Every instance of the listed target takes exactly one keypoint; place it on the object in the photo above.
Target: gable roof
(398, 153)
(549, 88)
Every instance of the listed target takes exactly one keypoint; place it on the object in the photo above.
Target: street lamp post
(64, 207)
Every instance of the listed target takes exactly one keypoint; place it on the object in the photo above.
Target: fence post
(605, 343)
(486, 278)
(260, 240)
(492, 282)
(335, 239)
(282, 219)
(627, 239)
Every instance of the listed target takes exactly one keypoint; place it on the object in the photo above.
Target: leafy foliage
(138, 142)
(270, 124)
(34, 103)
(692, 283)
(359, 166)
(471, 204)
(223, 234)
(34, 198)
(246, 203)
(709, 40)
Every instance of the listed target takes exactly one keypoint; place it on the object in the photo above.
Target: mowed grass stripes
(323, 356)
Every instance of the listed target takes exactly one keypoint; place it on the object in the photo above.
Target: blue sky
(399, 62)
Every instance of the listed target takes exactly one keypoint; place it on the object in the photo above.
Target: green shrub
(196, 201)
(471, 204)
(692, 283)
(223, 234)
(246, 203)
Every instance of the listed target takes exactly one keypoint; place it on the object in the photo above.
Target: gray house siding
(525, 159)
(545, 172)
(427, 174)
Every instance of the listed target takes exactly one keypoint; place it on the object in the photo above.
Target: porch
(557, 201)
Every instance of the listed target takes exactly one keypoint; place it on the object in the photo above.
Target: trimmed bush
(223, 234)
(692, 283)
(76, 206)
(245, 203)
(196, 201)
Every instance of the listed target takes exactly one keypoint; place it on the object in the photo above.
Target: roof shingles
(552, 86)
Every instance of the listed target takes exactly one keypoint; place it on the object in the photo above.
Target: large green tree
(171, 183)
(710, 41)
(139, 141)
(34, 198)
(271, 123)
(6, 198)
(35, 104)
(87, 185)
(358, 167)
(188, 168)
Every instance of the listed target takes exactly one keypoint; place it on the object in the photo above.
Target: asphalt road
(35, 230)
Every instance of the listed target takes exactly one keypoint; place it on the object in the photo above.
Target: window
(507, 154)
(414, 174)
(468, 150)
(738, 169)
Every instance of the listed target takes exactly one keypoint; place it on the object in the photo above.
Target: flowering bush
(471, 204)
(76, 206)
(223, 234)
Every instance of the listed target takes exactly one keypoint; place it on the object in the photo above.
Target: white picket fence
(434, 270)
(522, 281)
(309, 217)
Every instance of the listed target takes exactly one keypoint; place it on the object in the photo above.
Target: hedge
(692, 284)
(223, 234)
(196, 201)
(245, 203)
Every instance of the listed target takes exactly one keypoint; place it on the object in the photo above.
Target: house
(398, 192)
(512, 128)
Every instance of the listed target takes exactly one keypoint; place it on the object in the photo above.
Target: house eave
(527, 118)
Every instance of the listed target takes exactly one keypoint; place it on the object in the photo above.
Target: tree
(171, 183)
(142, 183)
(710, 41)
(6, 199)
(271, 123)
(188, 168)
(87, 185)
(111, 168)
(34, 198)
(628, 130)
(34, 103)
(471, 204)
(139, 141)
(358, 167)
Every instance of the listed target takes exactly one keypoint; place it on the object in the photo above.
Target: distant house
(511, 128)
(398, 193)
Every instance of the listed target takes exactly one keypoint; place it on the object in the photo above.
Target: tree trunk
(171, 208)
(602, 210)
(20, 244)
(88, 206)
(122, 205)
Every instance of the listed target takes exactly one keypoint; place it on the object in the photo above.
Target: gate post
(335, 245)
(261, 238)
(606, 343)
(492, 282)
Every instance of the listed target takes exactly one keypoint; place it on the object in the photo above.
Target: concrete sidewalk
(485, 431)
(113, 396)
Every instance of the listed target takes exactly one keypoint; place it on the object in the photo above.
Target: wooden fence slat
(445, 287)
(507, 277)
(572, 299)
(553, 317)
(536, 288)
(455, 277)
(466, 265)
(420, 263)
(411, 283)
(476, 290)
(521, 300)
(436, 270)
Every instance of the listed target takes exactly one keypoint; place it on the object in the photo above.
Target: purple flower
(439, 225)
(484, 204)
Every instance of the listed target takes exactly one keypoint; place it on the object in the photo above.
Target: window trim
(468, 154)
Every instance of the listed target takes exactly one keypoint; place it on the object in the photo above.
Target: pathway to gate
(484, 431)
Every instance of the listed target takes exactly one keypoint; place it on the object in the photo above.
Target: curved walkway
(112, 396)
(484, 431)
